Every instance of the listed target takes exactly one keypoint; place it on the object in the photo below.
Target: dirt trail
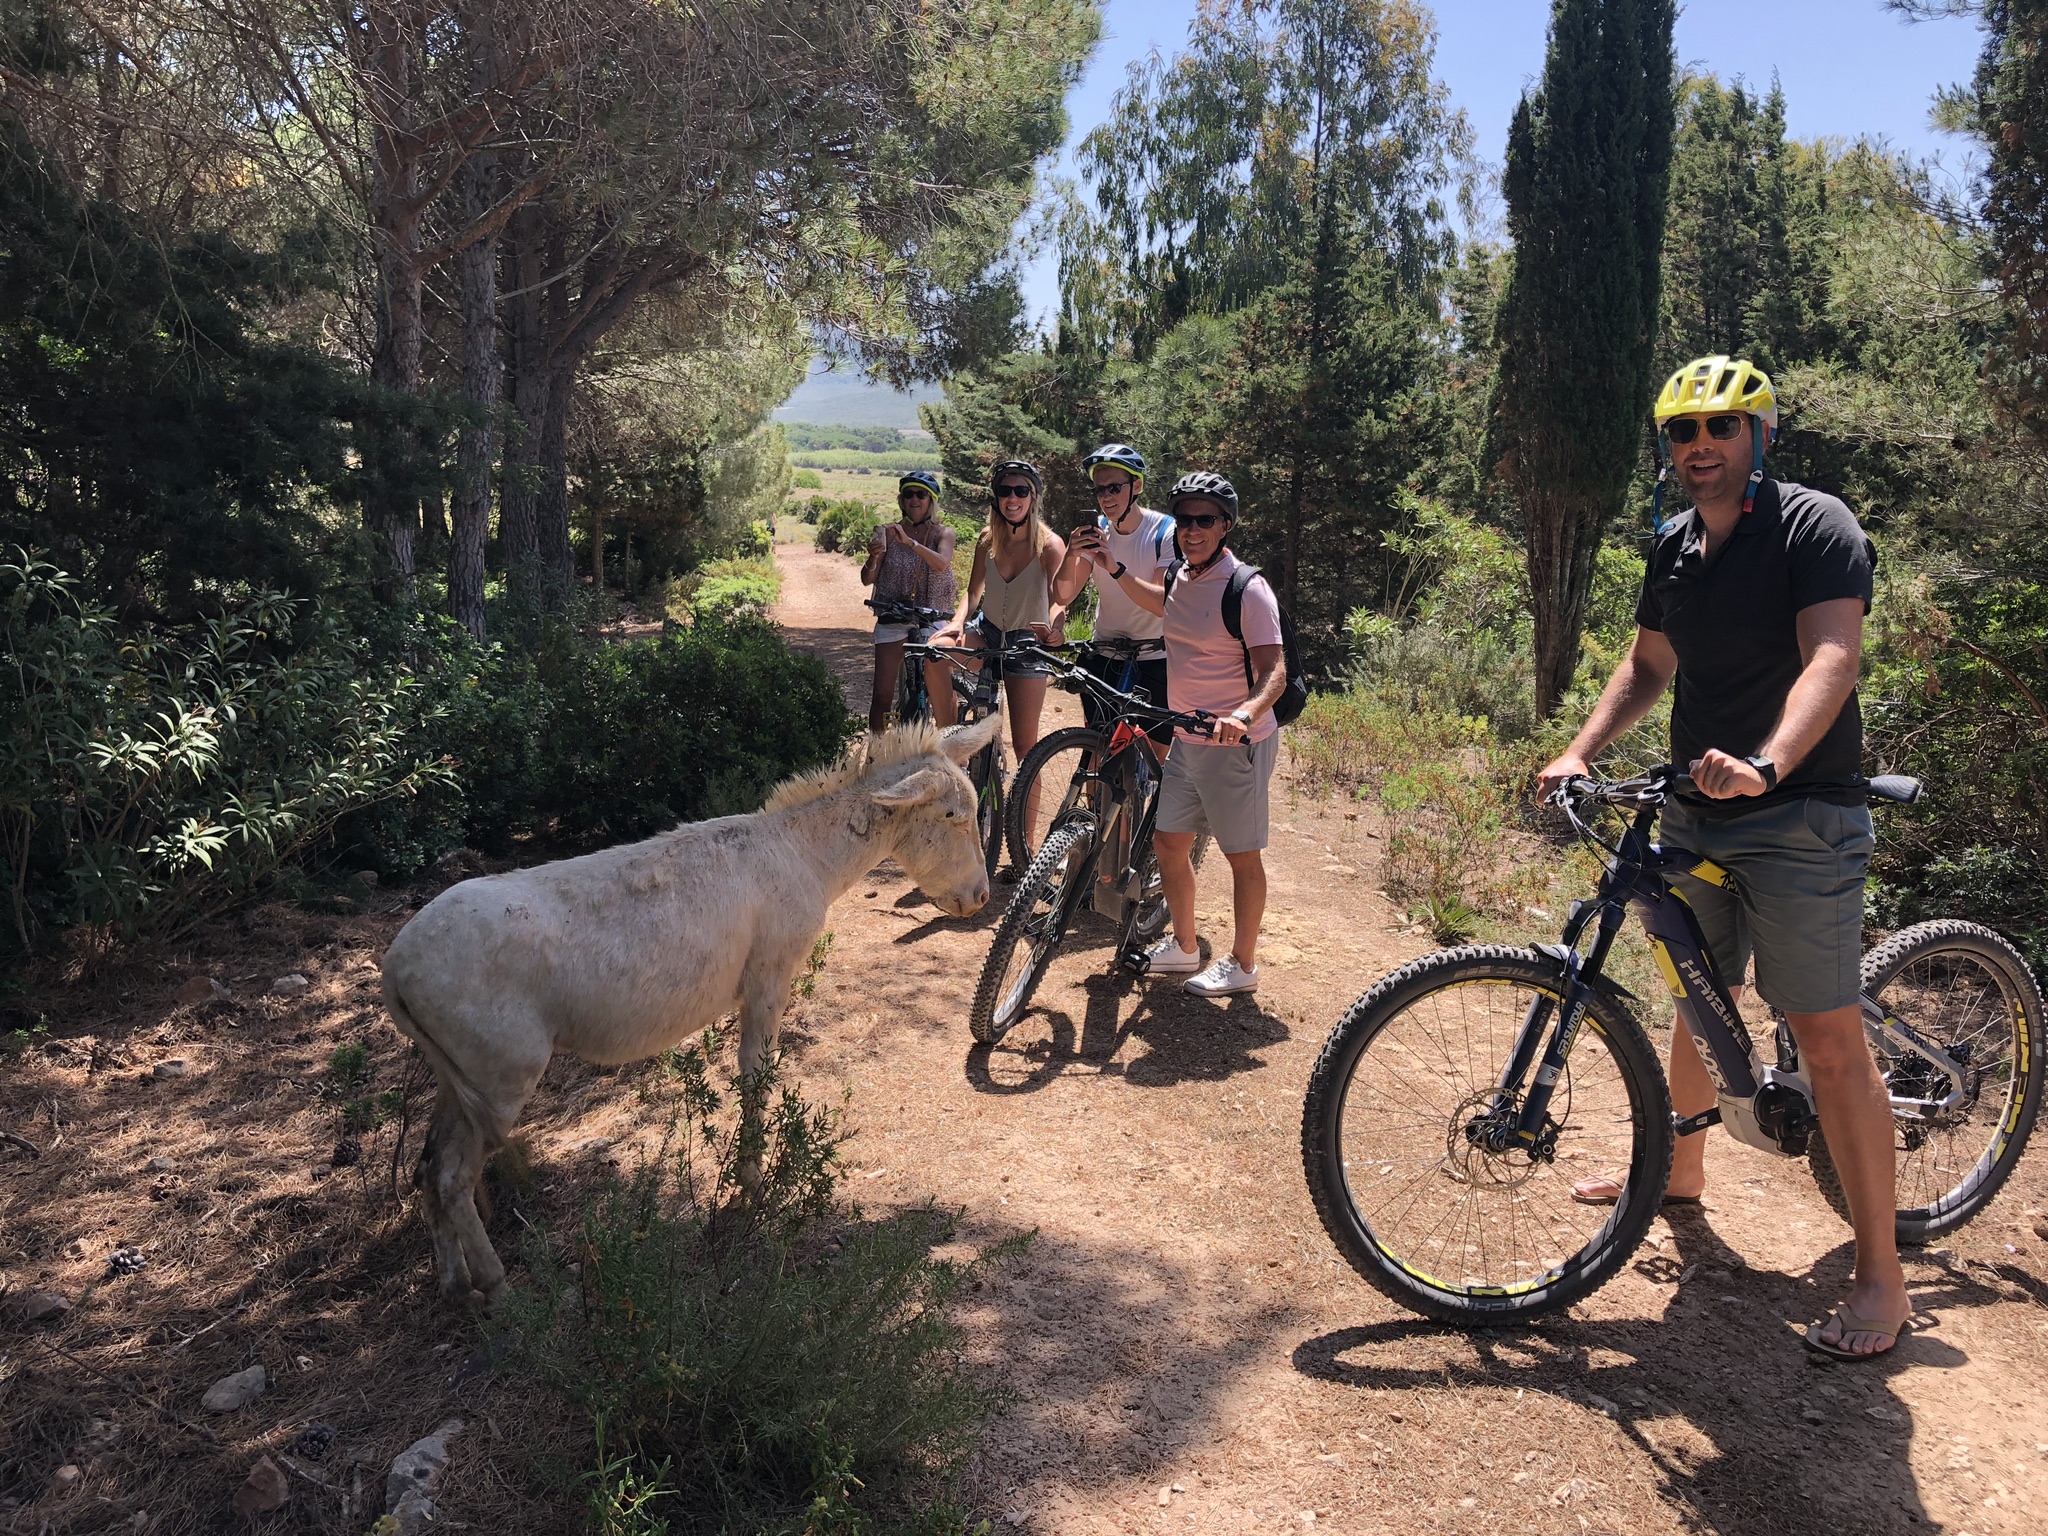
(1187, 1352)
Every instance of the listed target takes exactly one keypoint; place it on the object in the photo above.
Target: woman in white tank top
(1009, 591)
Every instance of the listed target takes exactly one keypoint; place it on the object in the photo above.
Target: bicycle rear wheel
(1435, 1222)
(1053, 759)
(1962, 988)
(989, 807)
(1032, 929)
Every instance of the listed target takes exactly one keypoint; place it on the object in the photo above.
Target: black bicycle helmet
(1016, 467)
(919, 477)
(1205, 485)
(1122, 455)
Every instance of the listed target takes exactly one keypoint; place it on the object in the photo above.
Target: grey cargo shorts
(1797, 905)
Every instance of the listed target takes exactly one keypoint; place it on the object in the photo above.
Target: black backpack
(1294, 696)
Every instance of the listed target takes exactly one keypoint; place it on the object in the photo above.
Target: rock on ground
(415, 1477)
(265, 1490)
(236, 1391)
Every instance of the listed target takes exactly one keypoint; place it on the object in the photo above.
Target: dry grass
(258, 1250)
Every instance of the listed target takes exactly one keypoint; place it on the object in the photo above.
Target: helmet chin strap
(1663, 474)
(1756, 463)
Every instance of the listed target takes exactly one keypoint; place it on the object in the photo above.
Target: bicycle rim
(1030, 933)
(1438, 1224)
(1051, 765)
(1964, 989)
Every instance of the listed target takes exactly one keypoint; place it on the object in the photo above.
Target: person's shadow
(1745, 1429)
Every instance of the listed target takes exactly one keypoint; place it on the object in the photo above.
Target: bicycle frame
(1769, 1107)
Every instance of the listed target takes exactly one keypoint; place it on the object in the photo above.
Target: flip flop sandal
(1852, 1322)
(1610, 1199)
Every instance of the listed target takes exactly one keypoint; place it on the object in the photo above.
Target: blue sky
(1849, 67)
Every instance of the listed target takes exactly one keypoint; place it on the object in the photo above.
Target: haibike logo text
(1703, 992)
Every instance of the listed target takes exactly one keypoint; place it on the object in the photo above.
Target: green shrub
(611, 741)
(154, 777)
(807, 480)
(847, 525)
(814, 509)
(764, 1363)
(732, 589)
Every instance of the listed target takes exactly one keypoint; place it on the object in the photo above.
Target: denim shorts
(1796, 902)
(1223, 788)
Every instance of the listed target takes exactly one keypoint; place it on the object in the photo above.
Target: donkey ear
(919, 788)
(961, 742)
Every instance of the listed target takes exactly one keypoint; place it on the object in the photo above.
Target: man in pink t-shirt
(1221, 779)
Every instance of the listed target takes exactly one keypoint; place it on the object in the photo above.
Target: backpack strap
(1233, 613)
(1172, 570)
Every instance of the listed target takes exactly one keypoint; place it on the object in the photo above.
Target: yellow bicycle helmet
(1711, 386)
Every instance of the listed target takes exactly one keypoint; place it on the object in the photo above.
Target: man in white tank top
(1133, 538)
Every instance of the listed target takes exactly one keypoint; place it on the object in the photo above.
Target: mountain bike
(1455, 1104)
(1062, 756)
(1097, 852)
(978, 697)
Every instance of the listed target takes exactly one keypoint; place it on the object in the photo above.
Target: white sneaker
(1224, 977)
(1167, 958)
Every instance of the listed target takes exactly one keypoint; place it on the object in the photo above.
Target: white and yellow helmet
(1715, 384)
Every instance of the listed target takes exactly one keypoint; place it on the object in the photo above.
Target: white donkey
(619, 955)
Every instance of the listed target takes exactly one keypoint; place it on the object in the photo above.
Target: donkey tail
(453, 1080)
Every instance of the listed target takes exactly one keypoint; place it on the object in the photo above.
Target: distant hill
(848, 400)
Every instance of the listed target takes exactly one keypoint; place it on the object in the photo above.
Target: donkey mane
(898, 745)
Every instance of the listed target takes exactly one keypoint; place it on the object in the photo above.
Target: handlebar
(905, 613)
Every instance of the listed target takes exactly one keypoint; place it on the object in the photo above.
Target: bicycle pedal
(1135, 960)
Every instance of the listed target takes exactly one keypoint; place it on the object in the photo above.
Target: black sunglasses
(1113, 488)
(1684, 429)
(1203, 520)
(1013, 493)
(917, 495)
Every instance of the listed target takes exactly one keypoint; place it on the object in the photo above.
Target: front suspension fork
(1568, 1009)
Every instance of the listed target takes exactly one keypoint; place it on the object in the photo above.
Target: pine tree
(1588, 170)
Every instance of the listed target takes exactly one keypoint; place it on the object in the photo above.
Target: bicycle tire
(2010, 1123)
(1085, 738)
(1041, 899)
(1566, 1276)
(989, 810)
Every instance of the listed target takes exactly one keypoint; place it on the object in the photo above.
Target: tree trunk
(597, 551)
(518, 529)
(557, 560)
(1563, 543)
(391, 507)
(477, 273)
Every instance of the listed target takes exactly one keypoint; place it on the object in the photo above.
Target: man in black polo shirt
(1754, 601)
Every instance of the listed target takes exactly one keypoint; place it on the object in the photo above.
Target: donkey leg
(462, 1163)
(463, 1174)
(450, 1266)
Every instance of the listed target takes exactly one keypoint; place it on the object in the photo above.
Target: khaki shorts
(1223, 788)
(1797, 902)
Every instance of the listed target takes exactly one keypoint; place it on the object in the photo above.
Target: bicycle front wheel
(1422, 1210)
(1963, 989)
(1054, 762)
(989, 808)
(1032, 929)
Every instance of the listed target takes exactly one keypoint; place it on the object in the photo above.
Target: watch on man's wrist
(1118, 573)
(1767, 768)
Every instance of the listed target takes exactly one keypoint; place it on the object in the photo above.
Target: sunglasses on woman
(1202, 520)
(1013, 493)
(913, 495)
(1724, 429)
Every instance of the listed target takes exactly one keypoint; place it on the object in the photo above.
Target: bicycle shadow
(1187, 1038)
(1744, 1429)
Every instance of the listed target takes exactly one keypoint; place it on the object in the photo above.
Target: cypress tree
(2012, 117)
(1588, 170)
